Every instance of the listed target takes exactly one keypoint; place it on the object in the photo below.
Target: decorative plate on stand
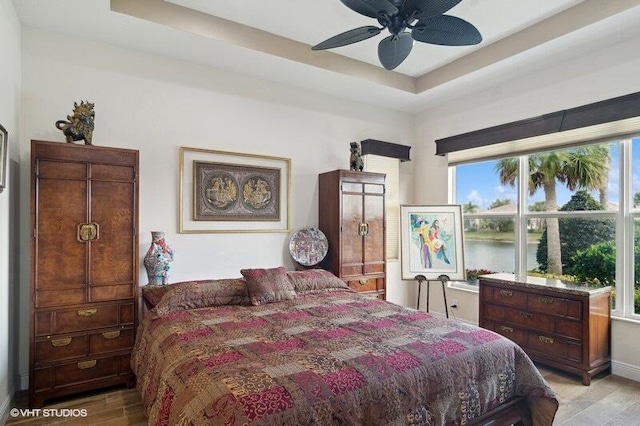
(308, 246)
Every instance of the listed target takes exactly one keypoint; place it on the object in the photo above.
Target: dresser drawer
(507, 297)
(87, 317)
(59, 348)
(80, 372)
(517, 335)
(552, 346)
(367, 284)
(528, 319)
(554, 305)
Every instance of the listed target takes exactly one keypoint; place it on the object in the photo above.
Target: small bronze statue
(356, 162)
(80, 125)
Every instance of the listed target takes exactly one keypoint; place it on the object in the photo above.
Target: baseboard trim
(628, 371)
(4, 412)
(24, 381)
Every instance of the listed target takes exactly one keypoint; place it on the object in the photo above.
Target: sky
(478, 183)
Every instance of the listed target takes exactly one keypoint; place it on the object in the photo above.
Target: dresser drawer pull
(87, 364)
(507, 293)
(506, 329)
(526, 315)
(87, 312)
(61, 342)
(363, 281)
(545, 339)
(547, 300)
(111, 334)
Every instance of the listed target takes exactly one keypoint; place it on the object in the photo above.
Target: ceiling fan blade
(348, 37)
(425, 9)
(446, 30)
(393, 50)
(371, 8)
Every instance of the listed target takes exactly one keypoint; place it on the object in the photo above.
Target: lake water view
(497, 256)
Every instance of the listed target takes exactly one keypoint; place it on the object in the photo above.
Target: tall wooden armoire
(84, 268)
(352, 216)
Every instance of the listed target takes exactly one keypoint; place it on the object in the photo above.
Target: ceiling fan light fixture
(425, 19)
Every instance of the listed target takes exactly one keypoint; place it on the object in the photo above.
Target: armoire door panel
(61, 259)
(351, 220)
(374, 218)
(112, 252)
(54, 169)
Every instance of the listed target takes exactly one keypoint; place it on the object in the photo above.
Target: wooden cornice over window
(599, 113)
(385, 149)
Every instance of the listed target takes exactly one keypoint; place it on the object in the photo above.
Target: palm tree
(470, 208)
(582, 167)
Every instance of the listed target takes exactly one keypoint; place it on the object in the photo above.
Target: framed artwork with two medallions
(233, 192)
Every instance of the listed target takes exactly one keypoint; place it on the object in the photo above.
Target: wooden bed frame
(513, 412)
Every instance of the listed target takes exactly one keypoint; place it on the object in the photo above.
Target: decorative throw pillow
(268, 285)
(201, 294)
(316, 280)
(154, 293)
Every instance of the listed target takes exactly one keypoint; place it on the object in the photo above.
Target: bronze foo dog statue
(80, 124)
(355, 161)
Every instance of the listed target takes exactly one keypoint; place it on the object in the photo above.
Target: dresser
(563, 325)
(84, 268)
(352, 216)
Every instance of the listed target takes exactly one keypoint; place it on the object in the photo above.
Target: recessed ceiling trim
(183, 18)
(565, 22)
(216, 28)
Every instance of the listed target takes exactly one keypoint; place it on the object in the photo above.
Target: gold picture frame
(223, 191)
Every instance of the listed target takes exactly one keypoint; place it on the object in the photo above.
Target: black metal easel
(443, 279)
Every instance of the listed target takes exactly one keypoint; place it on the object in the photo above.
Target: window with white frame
(575, 216)
(391, 168)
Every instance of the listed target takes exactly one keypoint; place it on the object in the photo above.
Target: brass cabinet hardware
(507, 293)
(544, 339)
(88, 231)
(83, 365)
(111, 334)
(526, 315)
(87, 312)
(506, 329)
(363, 281)
(61, 342)
(363, 229)
(547, 300)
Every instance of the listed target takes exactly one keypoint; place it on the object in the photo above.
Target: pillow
(154, 293)
(201, 294)
(311, 280)
(268, 285)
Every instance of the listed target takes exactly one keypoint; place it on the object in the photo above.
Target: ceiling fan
(406, 20)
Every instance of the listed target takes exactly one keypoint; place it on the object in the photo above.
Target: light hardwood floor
(609, 401)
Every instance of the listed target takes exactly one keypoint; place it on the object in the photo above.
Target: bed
(295, 348)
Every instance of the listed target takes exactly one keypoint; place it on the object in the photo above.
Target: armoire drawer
(367, 284)
(81, 371)
(64, 347)
(86, 317)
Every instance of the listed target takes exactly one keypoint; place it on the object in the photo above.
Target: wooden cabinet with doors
(84, 268)
(352, 216)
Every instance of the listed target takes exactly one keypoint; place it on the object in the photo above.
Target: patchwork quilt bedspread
(327, 358)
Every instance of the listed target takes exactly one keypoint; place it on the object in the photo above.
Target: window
(391, 168)
(576, 216)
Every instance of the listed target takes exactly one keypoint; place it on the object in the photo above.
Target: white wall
(602, 74)
(156, 105)
(9, 118)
